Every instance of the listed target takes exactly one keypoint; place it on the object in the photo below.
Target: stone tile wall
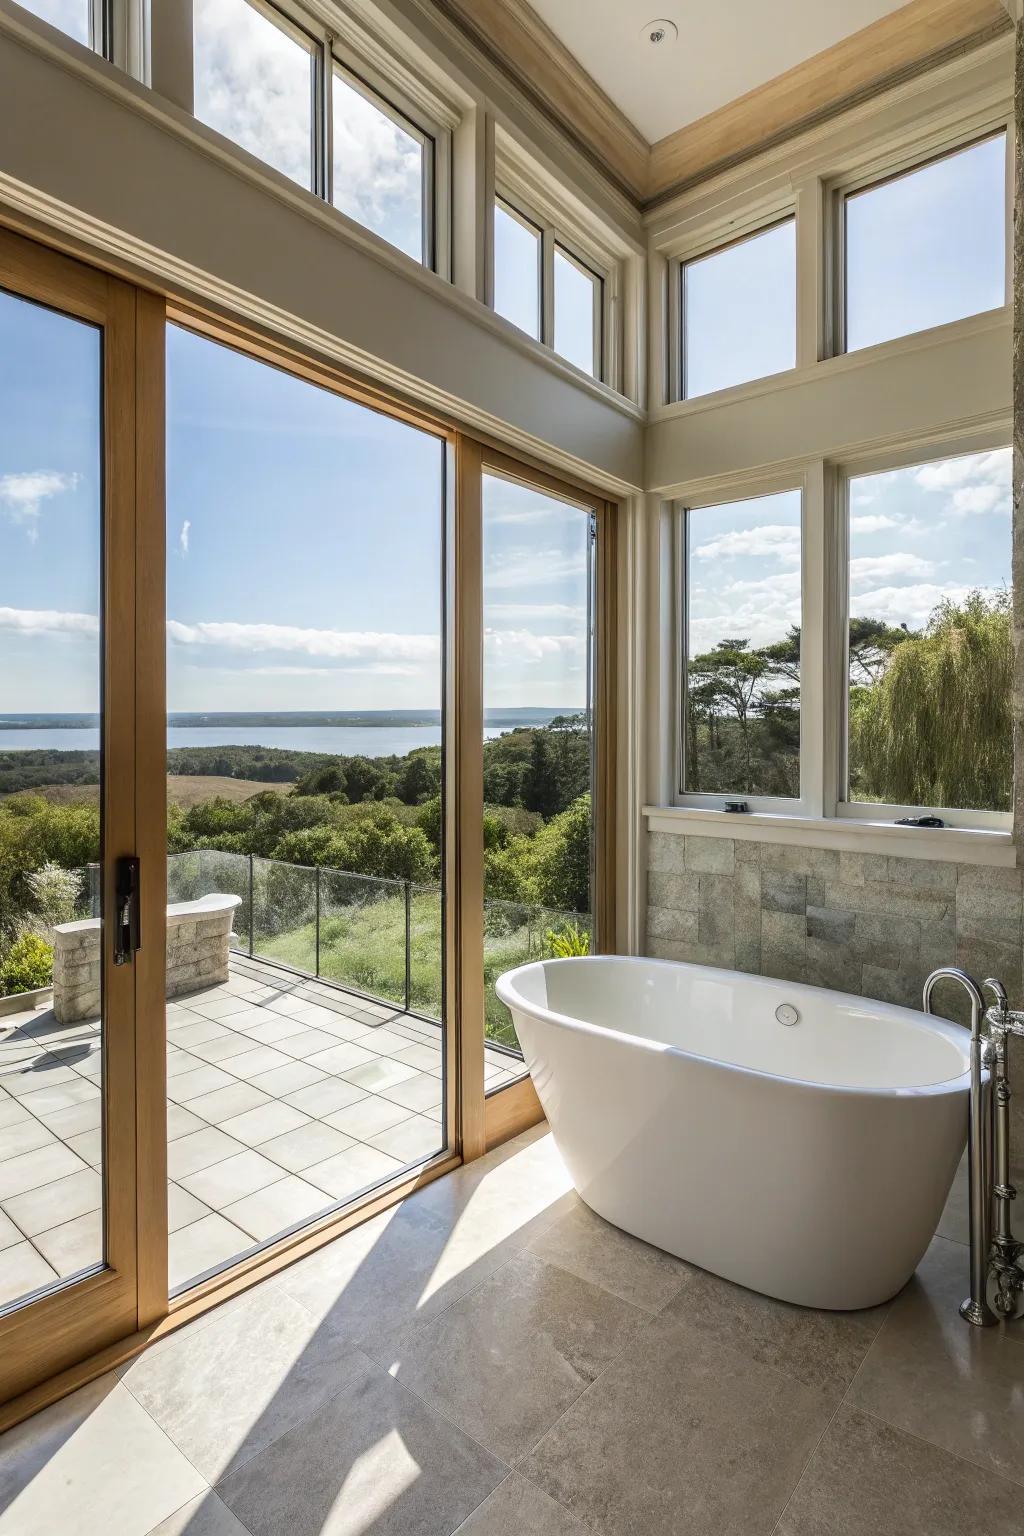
(871, 924)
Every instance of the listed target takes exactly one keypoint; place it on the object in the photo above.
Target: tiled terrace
(285, 1096)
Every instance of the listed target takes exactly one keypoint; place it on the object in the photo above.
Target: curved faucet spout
(970, 986)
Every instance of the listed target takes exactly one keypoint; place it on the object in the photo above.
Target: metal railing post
(318, 920)
(408, 945)
(252, 911)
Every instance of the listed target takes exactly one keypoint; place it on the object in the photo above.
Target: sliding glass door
(306, 767)
(69, 671)
(538, 753)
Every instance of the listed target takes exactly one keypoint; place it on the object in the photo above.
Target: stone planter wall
(198, 948)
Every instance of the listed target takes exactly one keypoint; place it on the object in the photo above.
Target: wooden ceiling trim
(513, 35)
(913, 37)
(918, 36)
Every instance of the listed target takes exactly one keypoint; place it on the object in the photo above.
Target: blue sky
(304, 543)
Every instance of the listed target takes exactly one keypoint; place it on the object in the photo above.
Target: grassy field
(364, 947)
(184, 789)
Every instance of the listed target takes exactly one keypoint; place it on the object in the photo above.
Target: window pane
(928, 247)
(72, 16)
(929, 635)
(537, 752)
(253, 83)
(739, 312)
(517, 270)
(304, 604)
(378, 170)
(742, 728)
(52, 1078)
(574, 312)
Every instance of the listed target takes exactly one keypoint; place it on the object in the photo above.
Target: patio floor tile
(279, 1206)
(352, 1170)
(32, 1169)
(190, 1153)
(299, 1149)
(23, 1270)
(323, 1099)
(272, 1119)
(369, 1117)
(223, 1183)
(52, 1204)
(73, 1246)
(202, 1246)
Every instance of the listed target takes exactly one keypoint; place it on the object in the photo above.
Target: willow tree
(935, 729)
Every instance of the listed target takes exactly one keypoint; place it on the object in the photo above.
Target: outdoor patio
(285, 1095)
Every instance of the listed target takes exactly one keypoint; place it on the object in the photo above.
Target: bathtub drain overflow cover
(787, 1014)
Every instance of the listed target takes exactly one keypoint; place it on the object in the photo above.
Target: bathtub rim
(957, 1034)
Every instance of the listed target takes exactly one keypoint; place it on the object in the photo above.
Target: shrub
(569, 942)
(27, 965)
(53, 896)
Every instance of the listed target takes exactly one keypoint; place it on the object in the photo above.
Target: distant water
(342, 740)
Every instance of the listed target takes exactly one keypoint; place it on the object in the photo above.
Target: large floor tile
(411, 1140)
(191, 1153)
(681, 1435)
(207, 1515)
(325, 1098)
(311, 1143)
(23, 1270)
(74, 1246)
(230, 1389)
(201, 1246)
(49, 1206)
(32, 1169)
(421, 1092)
(821, 1349)
(353, 1170)
(230, 1180)
(24, 1134)
(930, 1373)
(512, 1356)
(584, 1244)
(517, 1508)
(368, 1117)
(373, 1459)
(192, 1085)
(226, 1102)
(281, 1205)
(95, 1462)
(867, 1478)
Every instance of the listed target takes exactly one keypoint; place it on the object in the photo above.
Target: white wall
(93, 156)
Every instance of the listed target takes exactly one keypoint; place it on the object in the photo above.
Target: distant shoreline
(507, 719)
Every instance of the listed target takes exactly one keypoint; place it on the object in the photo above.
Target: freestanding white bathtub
(809, 1160)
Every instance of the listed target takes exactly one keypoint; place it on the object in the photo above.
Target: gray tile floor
(285, 1096)
(490, 1358)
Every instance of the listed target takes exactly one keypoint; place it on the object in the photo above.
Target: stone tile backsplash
(871, 924)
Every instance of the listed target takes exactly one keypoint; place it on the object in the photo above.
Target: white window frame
(909, 454)
(553, 237)
(713, 242)
(894, 167)
(521, 192)
(805, 803)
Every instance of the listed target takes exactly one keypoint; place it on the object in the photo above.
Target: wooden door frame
(49, 1335)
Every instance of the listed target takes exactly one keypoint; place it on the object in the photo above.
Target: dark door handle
(127, 935)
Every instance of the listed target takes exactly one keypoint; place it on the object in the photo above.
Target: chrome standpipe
(975, 1309)
(1005, 1291)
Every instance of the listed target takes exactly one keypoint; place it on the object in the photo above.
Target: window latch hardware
(736, 807)
(920, 821)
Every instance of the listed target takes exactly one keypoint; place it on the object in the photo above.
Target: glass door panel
(538, 612)
(51, 1031)
(305, 541)
(68, 1169)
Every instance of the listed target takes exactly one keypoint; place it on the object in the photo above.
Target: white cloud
(780, 541)
(870, 568)
(874, 522)
(974, 484)
(337, 644)
(48, 621)
(531, 568)
(183, 536)
(519, 645)
(24, 494)
(911, 605)
(521, 612)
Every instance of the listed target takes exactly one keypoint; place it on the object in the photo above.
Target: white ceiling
(725, 48)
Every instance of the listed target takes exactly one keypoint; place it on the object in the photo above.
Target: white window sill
(964, 845)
